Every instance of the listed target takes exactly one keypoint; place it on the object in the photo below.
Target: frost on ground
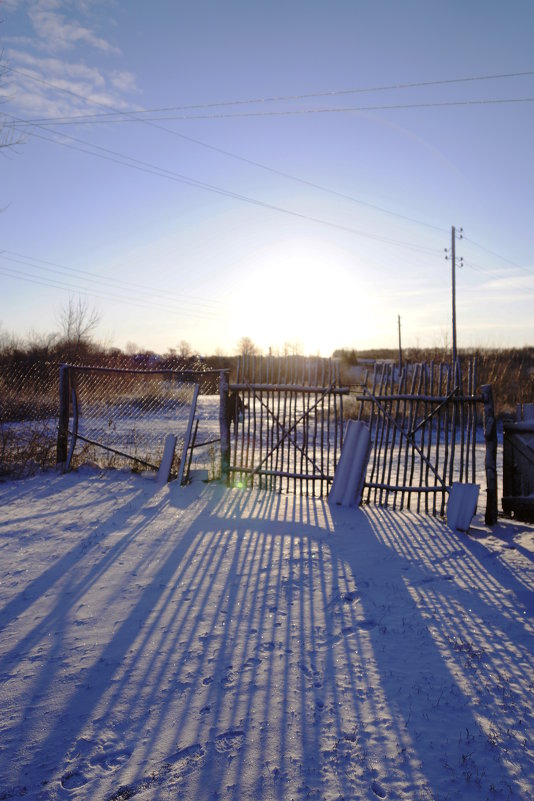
(203, 643)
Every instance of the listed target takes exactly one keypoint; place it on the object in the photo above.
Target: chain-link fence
(107, 416)
(122, 417)
(29, 408)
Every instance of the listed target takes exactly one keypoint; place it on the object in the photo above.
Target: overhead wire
(499, 256)
(134, 163)
(301, 111)
(28, 277)
(307, 95)
(113, 283)
(130, 161)
(302, 96)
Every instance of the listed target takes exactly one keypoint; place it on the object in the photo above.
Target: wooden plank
(74, 433)
(490, 435)
(526, 449)
(281, 474)
(223, 424)
(526, 426)
(296, 389)
(187, 437)
(408, 488)
(63, 421)
(454, 397)
(166, 460)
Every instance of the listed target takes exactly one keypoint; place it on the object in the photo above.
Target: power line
(340, 110)
(284, 98)
(300, 112)
(499, 256)
(287, 97)
(118, 158)
(22, 275)
(138, 164)
(114, 283)
(246, 160)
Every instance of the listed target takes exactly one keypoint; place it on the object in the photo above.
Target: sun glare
(301, 295)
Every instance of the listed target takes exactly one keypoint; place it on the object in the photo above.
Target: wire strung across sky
(131, 114)
(138, 164)
(96, 150)
(110, 282)
(301, 111)
(241, 158)
(105, 293)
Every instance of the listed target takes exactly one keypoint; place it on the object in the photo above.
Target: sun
(300, 296)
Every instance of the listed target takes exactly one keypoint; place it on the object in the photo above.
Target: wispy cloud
(66, 64)
(510, 284)
(57, 33)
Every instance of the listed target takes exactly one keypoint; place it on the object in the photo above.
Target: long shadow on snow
(268, 643)
(306, 639)
(71, 583)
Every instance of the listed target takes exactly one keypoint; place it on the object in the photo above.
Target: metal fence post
(63, 422)
(490, 435)
(223, 425)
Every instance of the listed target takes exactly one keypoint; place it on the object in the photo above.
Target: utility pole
(453, 260)
(453, 267)
(400, 345)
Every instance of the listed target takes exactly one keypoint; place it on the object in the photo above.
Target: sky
(286, 171)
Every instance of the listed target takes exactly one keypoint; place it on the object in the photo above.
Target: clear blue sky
(258, 196)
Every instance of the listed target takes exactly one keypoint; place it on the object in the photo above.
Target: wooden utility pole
(453, 260)
(453, 270)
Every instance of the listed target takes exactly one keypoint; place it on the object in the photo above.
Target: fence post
(223, 425)
(490, 435)
(63, 422)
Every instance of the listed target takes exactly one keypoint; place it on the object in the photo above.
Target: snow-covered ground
(200, 642)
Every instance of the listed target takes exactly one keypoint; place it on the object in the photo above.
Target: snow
(201, 642)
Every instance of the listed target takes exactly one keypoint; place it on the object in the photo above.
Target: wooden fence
(282, 423)
(425, 435)
(518, 465)
(282, 428)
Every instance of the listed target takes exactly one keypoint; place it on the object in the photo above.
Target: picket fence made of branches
(426, 434)
(282, 423)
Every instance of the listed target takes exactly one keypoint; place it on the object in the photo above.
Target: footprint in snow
(228, 681)
(378, 790)
(111, 760)
(252, 661)
(73, 779)
(229, 742)
(194, 751)
(365, 624)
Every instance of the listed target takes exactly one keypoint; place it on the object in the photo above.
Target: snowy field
(204, 643)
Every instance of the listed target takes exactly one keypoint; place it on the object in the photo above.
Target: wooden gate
(518, 466)
(282, 424)
(423, 434)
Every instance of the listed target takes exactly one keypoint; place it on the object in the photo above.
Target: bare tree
(184, 349)
(295, 348)
(246, 347)
(77, 321)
